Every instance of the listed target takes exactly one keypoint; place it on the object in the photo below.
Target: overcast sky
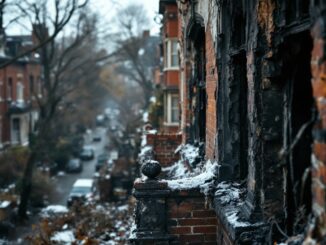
(107, 10)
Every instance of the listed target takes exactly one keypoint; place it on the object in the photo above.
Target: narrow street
(65, 182)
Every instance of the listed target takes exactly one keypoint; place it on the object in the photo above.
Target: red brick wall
(192, 221)
(164, 146)
(171, 78)
(171, 25)
(318, 69)
(211, 81)
(12, 71)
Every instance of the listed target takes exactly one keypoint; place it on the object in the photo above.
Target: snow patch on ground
(4, 204)
(61, 173)
(54, 209)
(63, 237)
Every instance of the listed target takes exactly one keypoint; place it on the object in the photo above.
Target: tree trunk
(26, 186)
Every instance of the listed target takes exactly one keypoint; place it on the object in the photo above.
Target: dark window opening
(305, 7)
(296, 9)
(238, 26)
(241, 76)
(10, 92)
(200, 89)
(299, 105)
(291, 11)
(31, 85)
(240, 90)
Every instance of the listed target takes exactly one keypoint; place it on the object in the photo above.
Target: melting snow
(63, 237)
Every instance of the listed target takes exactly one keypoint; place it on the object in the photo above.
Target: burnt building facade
(253, 93)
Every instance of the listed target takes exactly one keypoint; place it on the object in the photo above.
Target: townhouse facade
(20, 87)
(251, 92)
(171, 68)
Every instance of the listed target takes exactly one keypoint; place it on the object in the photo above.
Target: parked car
(101, 161)
(45, 166)
(87, 154)
(74, 166)
(82, 190)
(97, 138)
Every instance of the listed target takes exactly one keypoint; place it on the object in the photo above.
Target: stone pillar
(151, 210)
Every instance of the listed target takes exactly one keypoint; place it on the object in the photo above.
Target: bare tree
(135, 53)
(63, 69)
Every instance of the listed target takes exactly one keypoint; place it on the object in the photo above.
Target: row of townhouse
(20, 87)
(245, 79)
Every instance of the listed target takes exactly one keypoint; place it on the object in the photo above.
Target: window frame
(169, 109)
(169, 53)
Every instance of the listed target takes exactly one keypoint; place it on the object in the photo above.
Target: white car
(82, 190)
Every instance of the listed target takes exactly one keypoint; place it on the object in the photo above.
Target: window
(171, 59)
(31, 85)
(10, 89)
(172, 109)
(20, 91)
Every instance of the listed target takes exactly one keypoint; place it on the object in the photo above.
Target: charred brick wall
(318, 168)
(164, 146)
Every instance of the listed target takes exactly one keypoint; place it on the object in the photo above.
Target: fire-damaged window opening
(200, 113)
(238, 37)
(198, 97)
(296, 9)
(298, 115)
(241, 83)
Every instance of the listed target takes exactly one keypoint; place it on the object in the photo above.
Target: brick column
(318, 68)
(150, 215)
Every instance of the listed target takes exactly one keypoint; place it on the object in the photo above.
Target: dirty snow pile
(204, 180)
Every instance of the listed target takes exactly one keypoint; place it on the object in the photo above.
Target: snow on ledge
(203, 181)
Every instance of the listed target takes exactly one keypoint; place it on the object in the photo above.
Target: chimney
(146, 33)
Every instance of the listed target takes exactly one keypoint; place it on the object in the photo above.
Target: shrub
(12, 165)
(42, 188)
